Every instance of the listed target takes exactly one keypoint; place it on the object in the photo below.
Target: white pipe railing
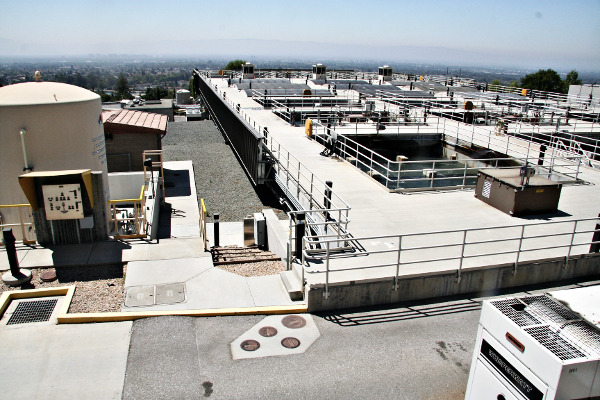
(479, 247)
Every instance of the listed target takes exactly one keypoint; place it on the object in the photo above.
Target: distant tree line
(546, 80)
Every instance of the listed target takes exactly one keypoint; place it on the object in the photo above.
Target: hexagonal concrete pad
(276, 335)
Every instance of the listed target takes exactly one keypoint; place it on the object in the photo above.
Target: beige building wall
(125, 150)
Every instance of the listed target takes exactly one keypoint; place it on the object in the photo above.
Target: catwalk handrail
(457, 247)
(567, 164)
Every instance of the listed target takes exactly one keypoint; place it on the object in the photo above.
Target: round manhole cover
(48, 276)
(290, 342)
(293, 321)
(250, 345)
(267, 331)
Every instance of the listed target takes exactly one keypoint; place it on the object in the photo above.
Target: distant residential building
(162, 106)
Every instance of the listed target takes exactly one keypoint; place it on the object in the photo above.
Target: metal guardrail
(446, 174)
(455, 248)
(128, 217)
(24, 221)
(245, 141)
(324, 210)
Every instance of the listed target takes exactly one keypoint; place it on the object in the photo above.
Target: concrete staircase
(292, 282)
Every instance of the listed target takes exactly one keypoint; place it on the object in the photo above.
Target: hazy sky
(565, 32)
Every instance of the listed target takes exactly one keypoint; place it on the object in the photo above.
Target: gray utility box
(260, 230)
(510, 192)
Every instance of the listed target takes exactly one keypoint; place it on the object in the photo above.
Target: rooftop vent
(553, 325)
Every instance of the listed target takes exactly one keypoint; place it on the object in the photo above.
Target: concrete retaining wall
(484, 281)
(277, 235)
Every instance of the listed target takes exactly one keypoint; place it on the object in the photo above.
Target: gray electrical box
(249, 231)
(260, 230)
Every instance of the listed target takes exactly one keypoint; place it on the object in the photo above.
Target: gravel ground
(257, 268)
(220, 179)
(97, 288)
(261, 268)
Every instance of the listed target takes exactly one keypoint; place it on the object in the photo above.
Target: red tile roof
(132, 121)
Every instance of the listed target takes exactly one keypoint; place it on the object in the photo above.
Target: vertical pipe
(326, 293)
(462, 254)
(300, 232)
(22, 134)
(216, 229)
(396, 278)
(11, 252)
(22, 220)
(519, 249)
(571, 244)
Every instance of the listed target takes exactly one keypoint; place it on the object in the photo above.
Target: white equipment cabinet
(538, 348)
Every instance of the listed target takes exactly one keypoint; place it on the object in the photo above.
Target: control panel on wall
(63, 201)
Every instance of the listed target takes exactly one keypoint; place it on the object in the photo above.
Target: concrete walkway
(84, 361)
(180, 259)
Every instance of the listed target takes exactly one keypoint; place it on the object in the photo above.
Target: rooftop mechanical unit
(319, 71)
(537, 348)
(385, 73)
(248, 71)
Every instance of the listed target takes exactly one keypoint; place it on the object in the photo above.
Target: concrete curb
(212, 312)
(77, 318)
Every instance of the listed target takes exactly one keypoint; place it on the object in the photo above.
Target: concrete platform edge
(217, 312)
(473, 281)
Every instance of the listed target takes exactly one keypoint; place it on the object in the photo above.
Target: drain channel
(32, 311)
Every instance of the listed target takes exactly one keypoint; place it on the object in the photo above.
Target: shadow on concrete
(164, 221)
(412, 312)
(545, 217)
(82, 273)
(177, 183)
(108, 252)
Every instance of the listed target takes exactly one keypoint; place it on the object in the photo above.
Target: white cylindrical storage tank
(183, 97)
(48, 126)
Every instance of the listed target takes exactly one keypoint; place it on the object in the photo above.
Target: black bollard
(542, 154)
(595, 246)
(216, 229)
(11, 251)
(327, 199)
(300, 232)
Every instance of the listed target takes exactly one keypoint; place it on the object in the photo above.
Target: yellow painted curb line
(68, 291)
(209, 312)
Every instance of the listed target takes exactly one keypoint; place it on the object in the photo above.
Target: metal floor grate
(32, 311)
(553, 341)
